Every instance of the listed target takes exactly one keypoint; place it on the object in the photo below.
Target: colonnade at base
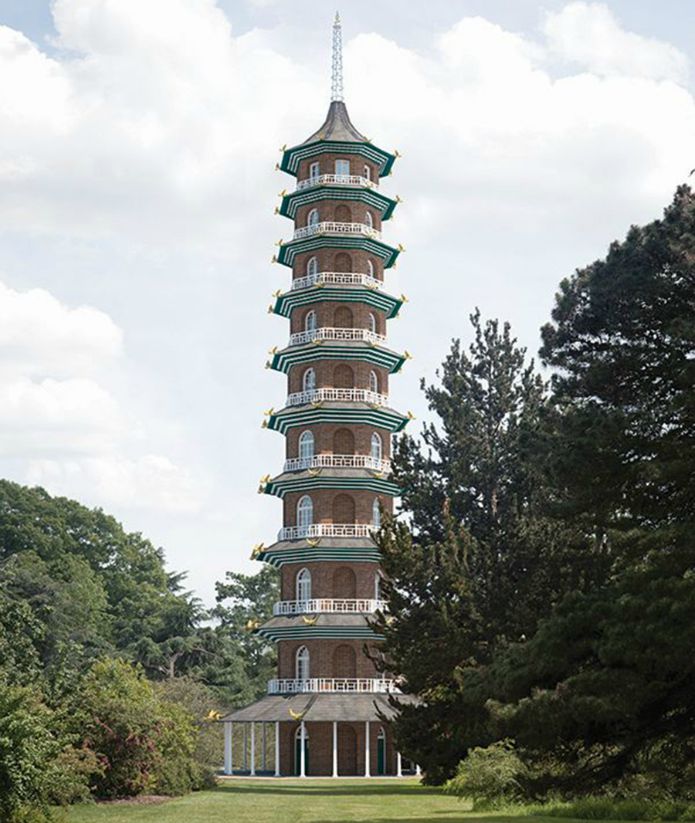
(275, 749)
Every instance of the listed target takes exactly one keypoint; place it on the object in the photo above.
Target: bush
(201, 704)
(490, 777)
(176, 771)
(139, 741)
(30, 754)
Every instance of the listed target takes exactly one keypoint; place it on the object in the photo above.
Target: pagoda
(326, 712)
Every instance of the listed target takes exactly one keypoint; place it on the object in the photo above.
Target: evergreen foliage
(480, 560)
(594, 677)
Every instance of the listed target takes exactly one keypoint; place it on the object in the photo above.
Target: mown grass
(295, 801)
(367, 801)
(607, 808)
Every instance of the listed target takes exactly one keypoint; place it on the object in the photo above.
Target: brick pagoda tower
(322, 711)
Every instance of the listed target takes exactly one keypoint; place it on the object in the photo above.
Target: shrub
(139, 741)
(489, 776)
(201, 704)
(28, 752)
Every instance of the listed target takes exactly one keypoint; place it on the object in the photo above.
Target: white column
(228, 731)
(367, 756)
(277, 748)
(417, 771)
(253, 749)
(263, 757)
(399, 765)
(335, 748)
(302, 753)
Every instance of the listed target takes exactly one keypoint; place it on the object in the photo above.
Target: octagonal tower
(324, 706)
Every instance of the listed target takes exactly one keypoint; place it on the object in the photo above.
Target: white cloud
(589, 35)
(150, 481)
(56, 416)
(69, 431)
(39, 334)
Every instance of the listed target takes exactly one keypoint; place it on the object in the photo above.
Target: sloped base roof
(319, 708)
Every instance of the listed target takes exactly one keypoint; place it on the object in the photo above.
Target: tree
(242, 598)
(94, 588)
(477, 495)
(604, 691)
(622, 341)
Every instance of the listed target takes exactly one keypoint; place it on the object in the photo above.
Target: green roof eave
(309, 632)
(288, 251)
(292, 157)
(376, 355)
(285, 303)
(302, 482)
(377, 416)
(305, 197)
(305, 554)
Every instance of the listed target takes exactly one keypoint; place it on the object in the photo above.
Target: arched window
(370, 268)
(369, 220)
(305, 512)
(312, 266)
(373, 381)
(309, 380)
(303, 585)
(376, 513)
(301, 667)
(310, 321)
(313, 218)
(314, 171)
(342, 167)
(376, 446)
(367, 173)
(306, 444)
(372, 322)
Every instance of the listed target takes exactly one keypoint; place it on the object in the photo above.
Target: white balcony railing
(358, 685)
(326, 530)
(331, 227)
(336, 179)
(330, 333)
(338, 461)
(301, 398)
(336, 278)
(327, 605)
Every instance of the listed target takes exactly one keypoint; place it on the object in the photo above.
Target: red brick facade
(326, 642)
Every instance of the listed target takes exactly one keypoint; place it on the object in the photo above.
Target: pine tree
(480, 561)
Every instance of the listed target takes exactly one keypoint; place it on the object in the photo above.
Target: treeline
(111, 674)
(542, 587)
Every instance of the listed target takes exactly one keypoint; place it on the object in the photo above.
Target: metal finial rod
(337, 61)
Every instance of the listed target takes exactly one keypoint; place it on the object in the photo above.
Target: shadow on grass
(330, 790)
(453, 816)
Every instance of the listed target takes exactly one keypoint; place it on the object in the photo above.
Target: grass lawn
(298, 801)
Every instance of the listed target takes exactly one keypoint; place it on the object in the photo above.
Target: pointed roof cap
(337, 127)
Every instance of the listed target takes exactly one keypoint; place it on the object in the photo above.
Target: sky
(138, 144)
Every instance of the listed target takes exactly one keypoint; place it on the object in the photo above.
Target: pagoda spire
(337, 61)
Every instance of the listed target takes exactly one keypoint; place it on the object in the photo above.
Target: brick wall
(351, 749)
(323, 500)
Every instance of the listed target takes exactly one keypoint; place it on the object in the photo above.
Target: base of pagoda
(328, 736)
